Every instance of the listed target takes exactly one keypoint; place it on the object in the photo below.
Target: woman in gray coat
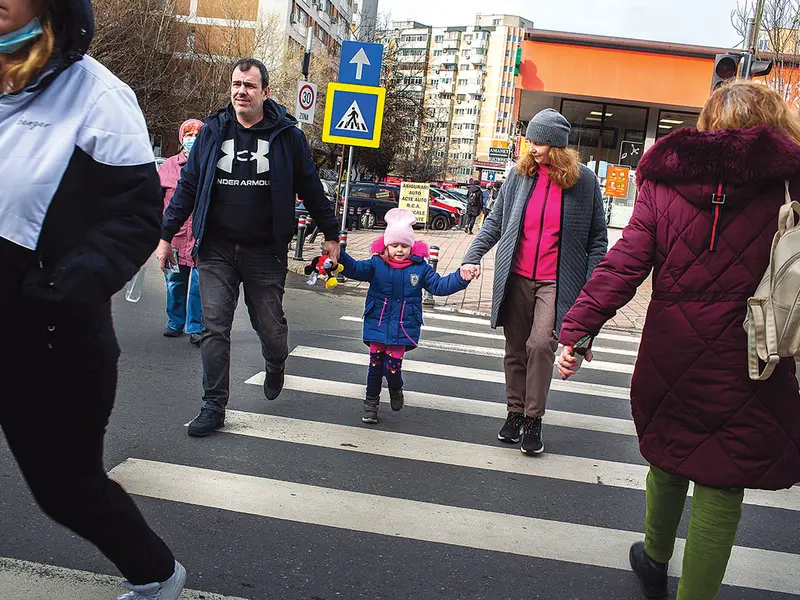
(550, 224)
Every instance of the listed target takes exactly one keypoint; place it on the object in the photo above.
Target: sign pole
(347, 189)
(306, 64)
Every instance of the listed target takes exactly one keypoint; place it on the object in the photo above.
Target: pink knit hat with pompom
(399, 227)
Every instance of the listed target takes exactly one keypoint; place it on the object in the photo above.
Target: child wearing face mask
(397, 273)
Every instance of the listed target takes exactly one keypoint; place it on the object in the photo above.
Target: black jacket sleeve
(111, 252)
(309, 188)
(182, 202)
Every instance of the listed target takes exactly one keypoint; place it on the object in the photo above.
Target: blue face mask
(16, 40)
(187, 144)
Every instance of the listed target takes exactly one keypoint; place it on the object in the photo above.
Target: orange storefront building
(620, 95)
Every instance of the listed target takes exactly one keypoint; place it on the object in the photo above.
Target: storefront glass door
(606, 135)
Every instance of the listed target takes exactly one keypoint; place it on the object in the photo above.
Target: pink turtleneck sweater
(537, 251)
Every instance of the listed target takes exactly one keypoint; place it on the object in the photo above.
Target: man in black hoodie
(243, 173)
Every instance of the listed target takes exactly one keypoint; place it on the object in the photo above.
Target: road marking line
(442, 370)
(479, 408)
(475, 334)
(24, 580)
(595, 365)
(457, 318)
(577, 469)
(428, 522)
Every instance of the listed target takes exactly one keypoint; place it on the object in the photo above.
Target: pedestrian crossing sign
(354, 115)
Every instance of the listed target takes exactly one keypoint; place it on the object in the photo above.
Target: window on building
(598, 131)
(669, 121)
(496, 22)
(463, 81)
(439, 38)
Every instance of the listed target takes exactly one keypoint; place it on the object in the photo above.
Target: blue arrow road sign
(491, 176)
(353, 115)
(360, 63)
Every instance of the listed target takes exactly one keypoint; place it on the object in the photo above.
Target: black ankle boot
(652, 575)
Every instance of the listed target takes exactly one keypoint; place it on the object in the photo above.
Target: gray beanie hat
(550, 128)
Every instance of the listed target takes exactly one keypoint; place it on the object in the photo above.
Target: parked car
(450, 199)
(379, 198)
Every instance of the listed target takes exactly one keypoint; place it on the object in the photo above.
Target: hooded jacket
(393, 312)
(703, 222)
(80, 201)
(292, 173)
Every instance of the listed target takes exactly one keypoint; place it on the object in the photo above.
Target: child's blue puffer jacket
(393, 313)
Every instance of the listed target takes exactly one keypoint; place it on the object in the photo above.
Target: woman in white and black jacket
(80, 207)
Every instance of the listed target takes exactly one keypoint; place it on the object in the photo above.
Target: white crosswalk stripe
(436, 523)
(400, 518)
(595, 365)
(480, 408)
(443, 370)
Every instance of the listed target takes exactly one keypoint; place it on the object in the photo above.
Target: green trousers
(713, 523)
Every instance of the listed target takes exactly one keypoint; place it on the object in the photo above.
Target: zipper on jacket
(558, 262)
(717, 201)
(383, 310)
(541, 229)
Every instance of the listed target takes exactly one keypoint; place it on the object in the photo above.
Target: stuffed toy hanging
(323, 265)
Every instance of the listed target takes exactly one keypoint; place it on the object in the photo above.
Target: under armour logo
(259, 156)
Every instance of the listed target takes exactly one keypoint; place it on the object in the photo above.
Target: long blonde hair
(25, 64)
(743, 104)
(564, 166)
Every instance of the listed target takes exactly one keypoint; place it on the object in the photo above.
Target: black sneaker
(195, 338)
(510, 433)
(652, 575)
(273, 384)
(172, 333)
(532, 436)
(206, 423)
(396, 399)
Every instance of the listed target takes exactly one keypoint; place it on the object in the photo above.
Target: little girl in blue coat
(397, 273)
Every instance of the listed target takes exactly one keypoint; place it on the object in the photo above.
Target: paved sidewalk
(477, 298)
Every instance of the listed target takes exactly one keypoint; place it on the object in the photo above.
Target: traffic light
(760, 68)
(726, 66)
(518, 60)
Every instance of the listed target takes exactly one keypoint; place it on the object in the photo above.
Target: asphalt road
(299, 500)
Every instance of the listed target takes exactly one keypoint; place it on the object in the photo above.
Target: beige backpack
(773, 314)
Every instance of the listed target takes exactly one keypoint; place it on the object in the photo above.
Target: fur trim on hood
(419, 248)
(732, 156)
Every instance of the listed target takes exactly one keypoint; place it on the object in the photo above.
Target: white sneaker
(166, 590)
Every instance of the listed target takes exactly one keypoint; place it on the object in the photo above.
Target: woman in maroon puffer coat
(703, 222)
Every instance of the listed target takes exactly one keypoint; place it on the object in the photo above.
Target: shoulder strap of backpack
(762, 339)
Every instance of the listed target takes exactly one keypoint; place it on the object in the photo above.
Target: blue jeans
(184, 309)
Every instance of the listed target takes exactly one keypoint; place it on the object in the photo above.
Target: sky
(701, 22)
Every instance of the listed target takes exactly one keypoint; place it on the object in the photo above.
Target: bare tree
(780, 29)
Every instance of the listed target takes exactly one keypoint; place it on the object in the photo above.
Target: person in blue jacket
(397, 273)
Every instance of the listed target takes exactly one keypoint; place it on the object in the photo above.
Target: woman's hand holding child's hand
(470, 272)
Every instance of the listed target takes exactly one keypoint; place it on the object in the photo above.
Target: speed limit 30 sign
(306, 102)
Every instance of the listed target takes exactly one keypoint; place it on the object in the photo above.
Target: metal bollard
(301, 238)
(342, 248)
(358, 218)
(428, 299)
(351, 215)
(369, 218)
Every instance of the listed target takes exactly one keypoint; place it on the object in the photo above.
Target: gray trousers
(529, 313)
(223, 267)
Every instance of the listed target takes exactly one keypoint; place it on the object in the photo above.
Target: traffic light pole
(752, 34)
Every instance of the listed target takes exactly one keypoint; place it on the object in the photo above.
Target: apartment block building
(330, 20)
(465, 77)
